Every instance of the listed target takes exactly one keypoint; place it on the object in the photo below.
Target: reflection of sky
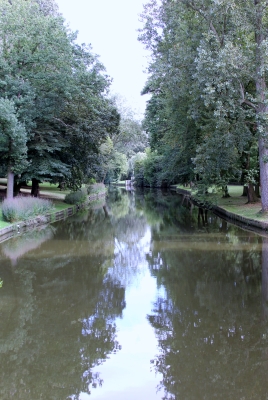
(129, 260)
(127, 374)
(17, 247)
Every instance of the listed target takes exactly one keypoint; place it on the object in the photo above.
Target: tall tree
(90, 117)
(215, 53)
(35, 54)
(59, 90)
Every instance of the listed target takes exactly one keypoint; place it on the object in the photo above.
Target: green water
(136, 298)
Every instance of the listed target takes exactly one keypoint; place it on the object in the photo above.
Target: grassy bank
(52, 192)
(236, 203)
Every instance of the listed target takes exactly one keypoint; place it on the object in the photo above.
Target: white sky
(111, 28)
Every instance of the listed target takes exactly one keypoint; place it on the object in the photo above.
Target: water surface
(136, 298)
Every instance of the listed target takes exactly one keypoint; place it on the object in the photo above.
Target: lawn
(3, 224)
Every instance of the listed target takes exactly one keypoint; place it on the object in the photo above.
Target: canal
(139, 297)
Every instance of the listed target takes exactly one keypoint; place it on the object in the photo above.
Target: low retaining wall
(243, 222)
(246, 223)
(19, 227)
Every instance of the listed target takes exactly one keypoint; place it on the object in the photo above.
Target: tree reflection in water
(58, 307)
(213, 341)
(129, 229)
(61, 298)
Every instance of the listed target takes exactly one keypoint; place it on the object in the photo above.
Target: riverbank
(235, 208)
(61, 211)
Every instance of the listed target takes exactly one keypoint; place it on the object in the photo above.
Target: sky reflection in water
(113, 305)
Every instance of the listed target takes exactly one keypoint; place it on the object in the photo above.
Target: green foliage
(131, 137)
(13, 150)
(54, 97)
(153, 166)
(22, 208)
(121, 145)
(208, 76)
(78, 197)
(90, 117)
(252, 176)
(114, 163)
(138, 163)
(96, 188)
(149, 169)
(35, 56)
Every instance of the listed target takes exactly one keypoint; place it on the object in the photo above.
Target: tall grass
(21, 208)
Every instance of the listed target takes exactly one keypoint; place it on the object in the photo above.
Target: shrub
(21, 208)
(78, 197)
(96, 188)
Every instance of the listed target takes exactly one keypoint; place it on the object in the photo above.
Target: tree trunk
(245, 191)
(245, 167)
(206, 217)
(252, 198)
(201, 216)
(35, 188)
(17, 187)
(225, 192)
(262, 109)
(257, 190)
(10, 184)
(62, 185)
(263, 153)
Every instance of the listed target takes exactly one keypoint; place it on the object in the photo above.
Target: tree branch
(203, 14)
(62, 122)
(244, 100)
(212, 27)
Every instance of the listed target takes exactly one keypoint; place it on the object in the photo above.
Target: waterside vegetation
(22, 208)
(58, 121)
(207, 115)
(205, 123)
(51, 201)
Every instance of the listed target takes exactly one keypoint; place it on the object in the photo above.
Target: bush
(78, 197)
(96, 188)
(21, 208)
